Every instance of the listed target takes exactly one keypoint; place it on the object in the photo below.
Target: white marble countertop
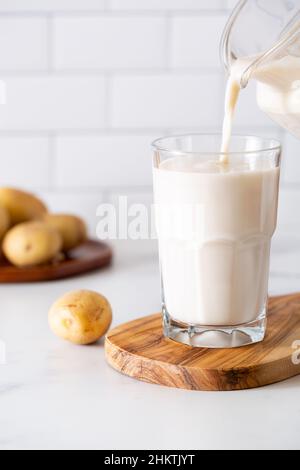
(54, 395)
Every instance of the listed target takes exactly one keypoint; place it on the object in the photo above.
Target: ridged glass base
(215, 336)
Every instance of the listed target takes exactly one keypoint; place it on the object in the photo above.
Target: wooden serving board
(89, 256)
(140, 350)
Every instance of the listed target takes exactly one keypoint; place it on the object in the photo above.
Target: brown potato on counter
(4, 222)
(21, 205)
(81, 317)
(72, 229)
(31, 244)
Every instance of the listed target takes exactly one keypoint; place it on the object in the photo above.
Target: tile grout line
(168, 42)
(94, 190)
(123, 131)
(108, 12)
(121, 71)
(108, 90)
(50, 44)
(52, 160)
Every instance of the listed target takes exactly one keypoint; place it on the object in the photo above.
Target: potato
(80, 317)
(4, 222)
(72, 229)
(31, 244)
(21, 206)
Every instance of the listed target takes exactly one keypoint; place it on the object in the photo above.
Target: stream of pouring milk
(231, 98)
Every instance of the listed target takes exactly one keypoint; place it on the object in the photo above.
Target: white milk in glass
(216, 273)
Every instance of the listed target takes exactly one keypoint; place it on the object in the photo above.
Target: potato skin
(21, 205)
(72, 229)
(81, 317)
(31, 244)
(4, 222)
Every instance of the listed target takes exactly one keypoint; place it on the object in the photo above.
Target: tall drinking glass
(215, 223)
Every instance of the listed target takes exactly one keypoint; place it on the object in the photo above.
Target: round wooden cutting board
(89, 256)
(140, 350)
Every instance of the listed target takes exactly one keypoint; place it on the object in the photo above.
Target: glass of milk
(214, 223)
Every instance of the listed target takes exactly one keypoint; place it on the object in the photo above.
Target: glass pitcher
(267, 34)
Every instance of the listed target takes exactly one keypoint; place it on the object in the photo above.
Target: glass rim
(274, 145)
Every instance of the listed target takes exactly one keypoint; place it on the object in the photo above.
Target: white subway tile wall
(54, 102)
(90, 83)
(103, 162)
(24, 162)
(166, 100)
(23, 44)
(196, 40)
(109, 42)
